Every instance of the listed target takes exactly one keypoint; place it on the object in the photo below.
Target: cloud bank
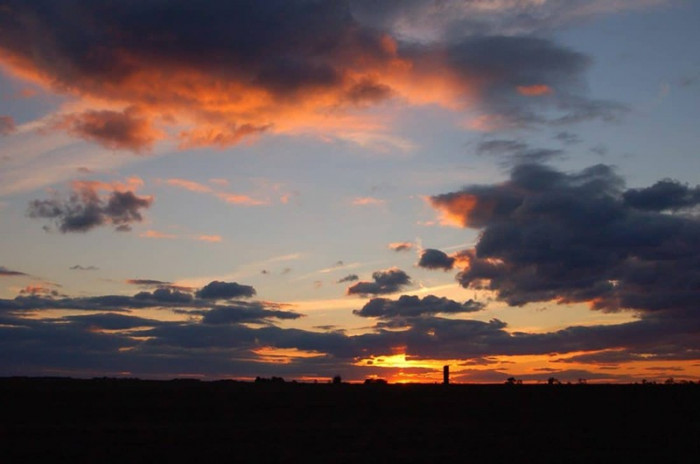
(226, 72)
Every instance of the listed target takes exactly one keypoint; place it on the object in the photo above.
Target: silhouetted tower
(445, 375)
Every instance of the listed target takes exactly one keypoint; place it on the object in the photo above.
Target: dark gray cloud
(165, 295)
(7, 125)
(581, 237)
(5, 272)
(218, 290)
(85, 209)
(514, 152)
(665, 195)
(568, 138)
(242, 312)
(348, 278)
(147, 282)
(522, 75)
(413, 306)
(388, 281)
(436, 259)
(78, 267)
(112, 321)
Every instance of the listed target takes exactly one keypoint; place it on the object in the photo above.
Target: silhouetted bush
(375, 382)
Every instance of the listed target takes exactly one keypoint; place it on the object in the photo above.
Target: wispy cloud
(228, 197)
(367, 201)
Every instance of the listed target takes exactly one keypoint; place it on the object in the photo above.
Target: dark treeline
(130, 420)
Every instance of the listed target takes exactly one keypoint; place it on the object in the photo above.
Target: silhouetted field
(64, 420)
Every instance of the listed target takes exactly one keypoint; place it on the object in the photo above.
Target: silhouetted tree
(375, 382)
(337, 380)
(553, 381)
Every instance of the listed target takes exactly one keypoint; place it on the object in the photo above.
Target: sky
(363, 188)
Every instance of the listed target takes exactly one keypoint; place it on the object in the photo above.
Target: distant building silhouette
(446, 375)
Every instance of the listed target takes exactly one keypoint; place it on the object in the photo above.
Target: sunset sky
(364, 188)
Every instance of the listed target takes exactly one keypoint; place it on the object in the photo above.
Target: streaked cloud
(367, 201)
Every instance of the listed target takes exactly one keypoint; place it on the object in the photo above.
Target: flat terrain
(103, 420)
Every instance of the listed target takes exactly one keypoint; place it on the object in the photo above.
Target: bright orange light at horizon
(530, 368)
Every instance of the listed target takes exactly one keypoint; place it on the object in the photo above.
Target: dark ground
(129, 421)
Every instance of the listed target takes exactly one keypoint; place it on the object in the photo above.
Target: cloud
(567, 138)
(367, 201)
(388, 281)
(242, 312)
(209, 238)
(228, 197)
(435, 259)
(5, 272)
(218, 290)
(348, 278)
(413, 306)
(229, 72)
(112, 321)
(580, 237)
(86, 208)
(156, 234)
(7, 125)
(165, 295)
(147, 282)
(513, 152)
(219, 340)
(118, 130)
(78, 267)
(664, 195)
(400, 246)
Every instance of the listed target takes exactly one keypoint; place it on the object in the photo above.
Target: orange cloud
(534, 90)
(123, 130)
(232, 198)
(365, 201)
(239, 199)
(309, 68)
(209, 238)
(155, 234)
(455, 211)
(189, 185)
(400, 246)
(162, 235)
(130, 184)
